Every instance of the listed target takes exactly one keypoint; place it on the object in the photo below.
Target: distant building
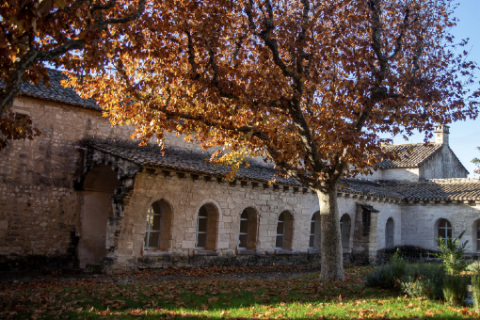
(83, 195)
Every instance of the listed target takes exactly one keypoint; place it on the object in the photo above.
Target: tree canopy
(67, 34)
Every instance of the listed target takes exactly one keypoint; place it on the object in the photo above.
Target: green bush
(452, 253)
(455, 289)
(476, 292)
(474, 267)
(423, 280)
(388, 276)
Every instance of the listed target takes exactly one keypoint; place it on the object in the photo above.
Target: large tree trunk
(331, 239)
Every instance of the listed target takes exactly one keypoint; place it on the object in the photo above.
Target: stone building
(84, 195)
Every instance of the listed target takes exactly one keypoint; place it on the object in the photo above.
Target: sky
(464, 135)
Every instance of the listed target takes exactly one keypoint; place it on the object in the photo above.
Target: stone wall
(185, 194)
(39, 210)
(400, 174)
(365, 247)
(443, 165)
(420, 223)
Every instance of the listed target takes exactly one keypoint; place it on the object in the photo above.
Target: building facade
(83, 195)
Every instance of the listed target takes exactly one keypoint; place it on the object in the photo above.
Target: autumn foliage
(65, 34)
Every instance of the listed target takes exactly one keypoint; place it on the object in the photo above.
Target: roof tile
(410, 155)
(56, 92)
(197, 162)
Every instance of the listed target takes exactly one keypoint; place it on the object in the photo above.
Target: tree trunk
(331, 239)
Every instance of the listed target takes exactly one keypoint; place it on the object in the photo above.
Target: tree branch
(398, 47)
(265, 35)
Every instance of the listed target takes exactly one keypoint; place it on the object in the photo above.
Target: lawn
(301, 297)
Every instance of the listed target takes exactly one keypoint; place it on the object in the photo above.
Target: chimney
(441, 134)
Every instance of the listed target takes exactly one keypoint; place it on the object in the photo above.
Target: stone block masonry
(39, 209)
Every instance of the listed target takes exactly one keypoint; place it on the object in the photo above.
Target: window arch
(390, 234)
(345, 226)
(315, 231)
(158, 228)
(284, 236)
(444, 229)
(247, 235)
(476, 233)
(207, 227)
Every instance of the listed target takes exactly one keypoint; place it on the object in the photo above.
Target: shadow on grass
(300, 298)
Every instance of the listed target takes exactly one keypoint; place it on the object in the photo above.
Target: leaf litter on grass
(299, 297)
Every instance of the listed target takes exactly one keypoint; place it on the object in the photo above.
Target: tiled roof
(183, 160)
(410, 155)
(196, 162)
(56, 92)
(439, 190)
(368, 188)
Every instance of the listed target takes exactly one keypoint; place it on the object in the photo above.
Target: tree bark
(331, 239)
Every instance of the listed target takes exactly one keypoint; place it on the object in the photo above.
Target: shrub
(388, 276)
(455, 289)
(423, 280)
(452, 253)
(476, 292)
(474, 267)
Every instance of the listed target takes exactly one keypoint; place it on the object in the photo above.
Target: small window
(243, 235)
(315, 231)
(207, 228)
(154, 220)
(444, 229)
(345, 226)
(19, 117)
(311, 245)
(390, 234)
(202, 228)
(247, 230)
(284, 239)
(280, 231)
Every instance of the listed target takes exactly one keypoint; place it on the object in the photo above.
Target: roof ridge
(452, 180)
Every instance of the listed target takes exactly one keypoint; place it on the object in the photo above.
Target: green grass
(299, 298)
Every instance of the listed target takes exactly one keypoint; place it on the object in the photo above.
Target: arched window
(315, 231)
(345, 226)
(477, 235)
(284, 231)
(207, 224)
(243, 234)
(444, 229)
(280, 232)
(158, 229)
(311, 244)
(247, 236)
(202, 228)
(390, 234)
(154, 221)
